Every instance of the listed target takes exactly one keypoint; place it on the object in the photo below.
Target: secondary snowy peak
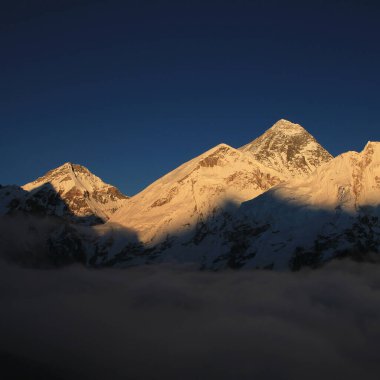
(289, 149)
(194, 192)
(73, 192)
(349, 181)
(334, 212)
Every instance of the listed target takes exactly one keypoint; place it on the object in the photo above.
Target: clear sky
(132, 89)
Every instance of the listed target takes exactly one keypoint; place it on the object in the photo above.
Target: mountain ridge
(182, 203)
(281, 202)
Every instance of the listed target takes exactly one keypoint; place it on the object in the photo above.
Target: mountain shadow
(276, 233)
(39, 229)
(268, 232)
(265, 233)
(46, 201)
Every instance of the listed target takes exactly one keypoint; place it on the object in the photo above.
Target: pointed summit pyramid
(190, 196)
(289, 149)
(73, 192)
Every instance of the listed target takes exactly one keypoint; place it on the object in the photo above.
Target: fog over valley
(173, 322)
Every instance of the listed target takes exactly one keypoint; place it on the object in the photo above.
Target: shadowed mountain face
(70, 191)
(43, 223)
(39, 229)
(260, 206)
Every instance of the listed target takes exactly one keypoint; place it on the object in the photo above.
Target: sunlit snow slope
(334, 212)
(280, 202)
(184, 203)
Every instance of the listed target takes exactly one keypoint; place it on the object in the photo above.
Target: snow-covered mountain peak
(72, 191)
(348, 182)
(305, 221)
(289, 149)
(281, 201)
(287, 127)
(185, 198)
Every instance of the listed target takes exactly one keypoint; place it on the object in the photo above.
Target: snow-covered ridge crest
(185, 202)
(307, 221)
(349, 181)
(186, 214)
(195, 191)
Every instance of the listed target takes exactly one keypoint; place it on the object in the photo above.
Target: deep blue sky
(132, 89)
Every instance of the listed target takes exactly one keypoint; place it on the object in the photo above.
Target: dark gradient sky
(132, 89)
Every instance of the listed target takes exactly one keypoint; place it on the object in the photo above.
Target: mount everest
(281, 201)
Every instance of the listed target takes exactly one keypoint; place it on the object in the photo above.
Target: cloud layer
(166, 322)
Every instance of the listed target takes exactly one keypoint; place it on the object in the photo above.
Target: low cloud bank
(175, 322)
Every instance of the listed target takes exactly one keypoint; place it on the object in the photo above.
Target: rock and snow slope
(279, 202)
(190, 194)
(183, 204)
(289, 149)
(222, 175)
(333, 212)
(70, 191)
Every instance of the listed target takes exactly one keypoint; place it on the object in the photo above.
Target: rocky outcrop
(288, 148)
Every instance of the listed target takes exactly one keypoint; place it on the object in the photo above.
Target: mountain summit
(189, 203)
(70, 191)
(289, 149)
(281, 201)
